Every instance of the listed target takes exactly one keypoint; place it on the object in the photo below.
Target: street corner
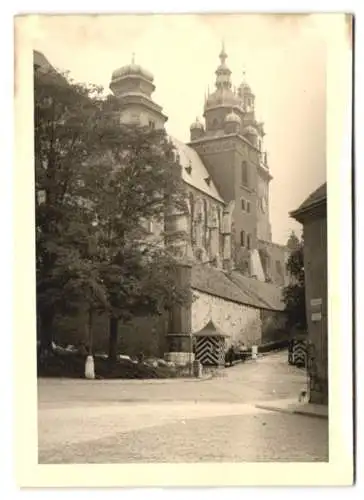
(294, 407)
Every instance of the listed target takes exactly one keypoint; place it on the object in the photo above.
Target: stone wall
(240, 322)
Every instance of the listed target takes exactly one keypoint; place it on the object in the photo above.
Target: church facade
(233, 267)
(226, 172)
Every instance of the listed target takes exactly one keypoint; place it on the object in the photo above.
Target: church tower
(133, 86)
(231, 146)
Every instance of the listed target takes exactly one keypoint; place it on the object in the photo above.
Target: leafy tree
(140, 182)
(97, 183)
(293, 242)
(294, 293)
(64, 136)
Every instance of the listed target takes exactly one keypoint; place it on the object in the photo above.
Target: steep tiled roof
(266, 293)
(316, 197)
(236, 288)
(198, 172)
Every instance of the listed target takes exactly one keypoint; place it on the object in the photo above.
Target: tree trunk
(88, 332)
(113, 338)
(46, 333)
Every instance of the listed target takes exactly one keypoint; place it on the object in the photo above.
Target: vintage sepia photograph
(181, 248)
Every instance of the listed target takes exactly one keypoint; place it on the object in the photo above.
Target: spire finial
(133, 58)
(223, 54)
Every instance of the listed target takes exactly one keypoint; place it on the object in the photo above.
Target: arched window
(244, 173)
(242, 238)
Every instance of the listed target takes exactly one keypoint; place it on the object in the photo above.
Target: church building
(226, 172)
(234, 269)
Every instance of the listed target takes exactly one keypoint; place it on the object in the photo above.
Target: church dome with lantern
(223, 95)
(132, 70)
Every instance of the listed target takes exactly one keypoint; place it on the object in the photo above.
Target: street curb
(291, 411)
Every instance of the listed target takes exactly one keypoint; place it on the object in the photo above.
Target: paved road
(179, 421)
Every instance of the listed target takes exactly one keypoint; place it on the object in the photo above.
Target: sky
(284, 60)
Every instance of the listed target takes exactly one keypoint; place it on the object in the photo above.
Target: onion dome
(132, 70)
(244, 87)
(249, 130)
(197, 125)
(222, 97)
(233, 118)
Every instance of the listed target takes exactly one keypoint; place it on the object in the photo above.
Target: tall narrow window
(248, 243)
(242, 238)
(244, 173)
(248, 206)
(151, 124)
(243, 205)
(192, 208)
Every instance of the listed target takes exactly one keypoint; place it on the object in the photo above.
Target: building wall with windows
(137, 115)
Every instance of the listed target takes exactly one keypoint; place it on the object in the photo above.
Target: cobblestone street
(179, 420)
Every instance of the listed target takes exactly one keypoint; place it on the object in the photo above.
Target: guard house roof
(210, 330)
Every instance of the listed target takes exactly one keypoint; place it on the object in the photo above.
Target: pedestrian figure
(242, 351)
(230, 355)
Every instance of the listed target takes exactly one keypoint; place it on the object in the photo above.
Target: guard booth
(210, 345)
(297, 350)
